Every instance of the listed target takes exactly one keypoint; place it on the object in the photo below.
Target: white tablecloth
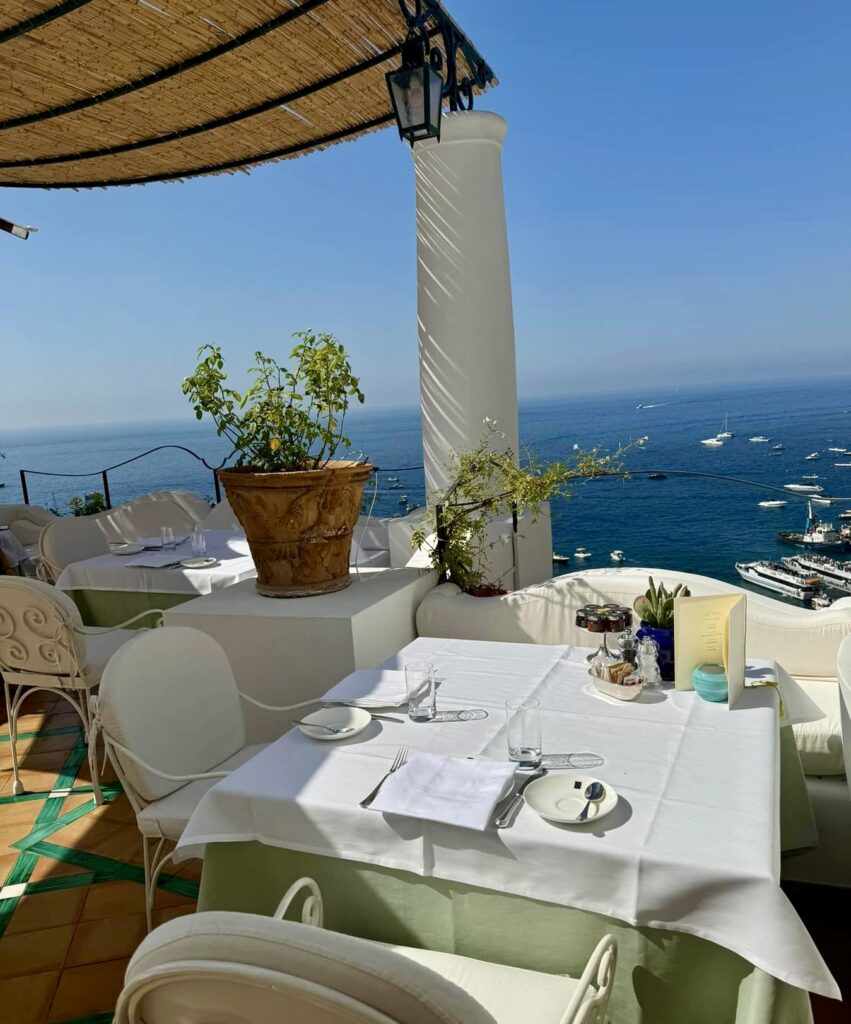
(112, 572)
(13, 551)
(693, 845)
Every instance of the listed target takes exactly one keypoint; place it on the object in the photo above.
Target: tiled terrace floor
(71, 902)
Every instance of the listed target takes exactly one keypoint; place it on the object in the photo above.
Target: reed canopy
(122, 92)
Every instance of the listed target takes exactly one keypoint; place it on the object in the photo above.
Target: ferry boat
(759, 439)
(812, 457)
(804, 488)
(835, 574)
(780, 578)
(774, 503)
(713, 442)
(617, 555)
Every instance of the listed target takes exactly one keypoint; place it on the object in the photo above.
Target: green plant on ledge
(88, 504)
(289, 418)
(489, 484)
(656, 606)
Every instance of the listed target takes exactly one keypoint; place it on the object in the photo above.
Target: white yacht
(713, 442)
(778, 447)
(812, 457)
(560, 559)
(835, 574)
(726, 433)
(759, 439)
(846, 514)
(838, 451)
(804, 488)
(809, 476)
(780, 578)
(842, 465)
(617, 555)
(581, 553)
(773, 503)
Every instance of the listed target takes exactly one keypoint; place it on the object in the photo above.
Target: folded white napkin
(453, 790)
(156, 559)
(371, 688)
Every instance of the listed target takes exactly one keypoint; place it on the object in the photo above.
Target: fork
(400, 758)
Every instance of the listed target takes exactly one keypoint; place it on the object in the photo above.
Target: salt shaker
(628, 646)
(648, 661)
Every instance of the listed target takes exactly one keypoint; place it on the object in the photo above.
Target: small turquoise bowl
(710, 682)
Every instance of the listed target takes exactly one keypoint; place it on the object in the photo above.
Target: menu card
(710, 630)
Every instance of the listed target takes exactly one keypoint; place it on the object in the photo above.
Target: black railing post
(106, 498)
(440, 531)
(24, 490)
(217, 487)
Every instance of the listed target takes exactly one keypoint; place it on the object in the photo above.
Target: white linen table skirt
(693, 845)
(112, 572)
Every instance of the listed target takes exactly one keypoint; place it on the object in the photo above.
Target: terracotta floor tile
(111, 939)
(123, 844)
(46, 910)
(33, 952)
(6, 862)
(88, 990)
(48, 868)
(24, 812)
(113, 899)
(26, 1000)
(85, 833)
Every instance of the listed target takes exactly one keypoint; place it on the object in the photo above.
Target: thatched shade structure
(119, 92)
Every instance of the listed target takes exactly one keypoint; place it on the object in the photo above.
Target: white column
(465, 315)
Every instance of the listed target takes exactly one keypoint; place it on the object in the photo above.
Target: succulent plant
(656, 606)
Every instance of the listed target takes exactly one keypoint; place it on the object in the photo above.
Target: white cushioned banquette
(805, 642)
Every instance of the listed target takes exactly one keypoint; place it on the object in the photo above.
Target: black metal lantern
(416, 92)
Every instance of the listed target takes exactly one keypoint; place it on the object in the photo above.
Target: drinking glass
(199, 543)
(167, 537)
(422, 696)
(523, 722)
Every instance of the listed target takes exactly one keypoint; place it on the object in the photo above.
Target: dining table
(113, 587)
(684, 871)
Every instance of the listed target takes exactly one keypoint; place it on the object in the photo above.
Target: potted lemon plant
(297, 504)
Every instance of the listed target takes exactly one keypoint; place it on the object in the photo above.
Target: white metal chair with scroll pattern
(246, 969)
(45, 646)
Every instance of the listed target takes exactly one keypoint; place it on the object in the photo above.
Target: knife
(505, 818)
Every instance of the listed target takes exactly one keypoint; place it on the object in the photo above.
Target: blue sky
(677, 186)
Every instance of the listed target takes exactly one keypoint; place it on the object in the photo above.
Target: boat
(812, 457)
(838, 451)
(726, 433)
(774, 503)
(581, 553)
(395, 486)
(403, 500)
(821, 600)
(804, 488)
(809, 476)
(817, 534)
(617, 555)
(778, 448)
(657, 476)
(393, 479)
(561, 559)
(713, 442)
(759, 439)
(780, 578)
(846, 514)
(842, 465)
(835, 574)
(821, 501)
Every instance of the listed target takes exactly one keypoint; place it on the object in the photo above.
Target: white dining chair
(221, 517)
(843, 672)
(69, 539)
(45, 646)
(170, 714)
(246, 969)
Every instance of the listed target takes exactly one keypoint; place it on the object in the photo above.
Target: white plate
(126, 549)
(355, 719)
(198, 563)
(561, 797)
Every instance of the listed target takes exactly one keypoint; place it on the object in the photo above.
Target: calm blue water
(694, 525)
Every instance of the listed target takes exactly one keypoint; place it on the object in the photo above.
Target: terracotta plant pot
(299, 525)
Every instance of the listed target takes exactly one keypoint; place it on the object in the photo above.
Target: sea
(703, 523)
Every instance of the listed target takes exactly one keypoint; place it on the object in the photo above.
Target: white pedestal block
(283, 651)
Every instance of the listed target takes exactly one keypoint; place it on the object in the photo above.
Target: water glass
(199, 543)
(167, 537)
(523, 722)
(420, 688)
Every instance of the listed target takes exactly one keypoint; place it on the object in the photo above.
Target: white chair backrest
(70, 539)
(246, 969)
(142, 518)
(221, 517)
(25, 521)
(193, 504)
(40, 631)
(169, 697)
(843, 670)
